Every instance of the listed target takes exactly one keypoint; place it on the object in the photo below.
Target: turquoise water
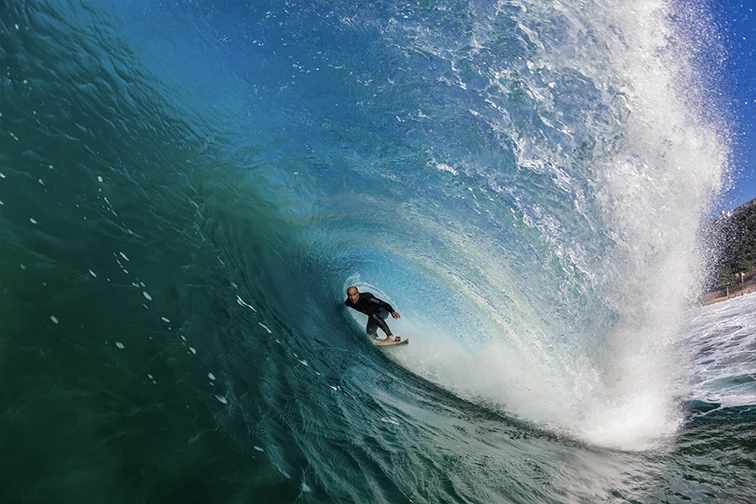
(187, 188)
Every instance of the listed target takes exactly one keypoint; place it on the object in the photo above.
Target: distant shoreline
(726, 293)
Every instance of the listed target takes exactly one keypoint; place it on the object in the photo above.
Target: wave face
(188, 188)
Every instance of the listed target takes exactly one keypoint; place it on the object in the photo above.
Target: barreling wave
(524, 180)
(539, 188)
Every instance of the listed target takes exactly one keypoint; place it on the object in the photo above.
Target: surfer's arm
(383, 304)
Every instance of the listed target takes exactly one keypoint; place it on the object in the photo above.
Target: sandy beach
(728, 293)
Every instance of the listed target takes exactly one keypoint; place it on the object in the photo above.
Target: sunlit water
(187, 189)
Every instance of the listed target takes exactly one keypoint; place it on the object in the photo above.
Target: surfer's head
(353, 294)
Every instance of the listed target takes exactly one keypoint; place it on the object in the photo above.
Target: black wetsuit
(376, 310)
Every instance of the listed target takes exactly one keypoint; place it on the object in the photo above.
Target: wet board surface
(404, 341)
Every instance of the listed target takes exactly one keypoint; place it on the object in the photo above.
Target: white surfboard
(378, 342)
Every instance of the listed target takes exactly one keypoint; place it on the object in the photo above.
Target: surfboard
(404, 341)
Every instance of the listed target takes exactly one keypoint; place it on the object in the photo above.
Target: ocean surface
(188, 187)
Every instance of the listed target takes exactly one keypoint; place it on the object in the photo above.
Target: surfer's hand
(396, 315)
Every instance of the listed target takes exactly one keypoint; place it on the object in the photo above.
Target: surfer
(377, 311)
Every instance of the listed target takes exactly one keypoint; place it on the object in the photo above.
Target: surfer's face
(353, 295)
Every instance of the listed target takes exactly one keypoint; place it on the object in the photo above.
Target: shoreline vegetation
(736, 266)
(746, 285)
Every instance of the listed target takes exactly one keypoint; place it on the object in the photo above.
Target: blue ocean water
(188, 187)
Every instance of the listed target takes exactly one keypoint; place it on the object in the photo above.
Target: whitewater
(187, 188)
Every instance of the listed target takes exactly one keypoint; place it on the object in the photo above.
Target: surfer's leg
(382, 316)
(372, 327)
(384, 327)
(374, 322)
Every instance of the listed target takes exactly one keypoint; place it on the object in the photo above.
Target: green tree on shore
(737, 236)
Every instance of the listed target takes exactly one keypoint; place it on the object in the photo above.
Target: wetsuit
(376, 310)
